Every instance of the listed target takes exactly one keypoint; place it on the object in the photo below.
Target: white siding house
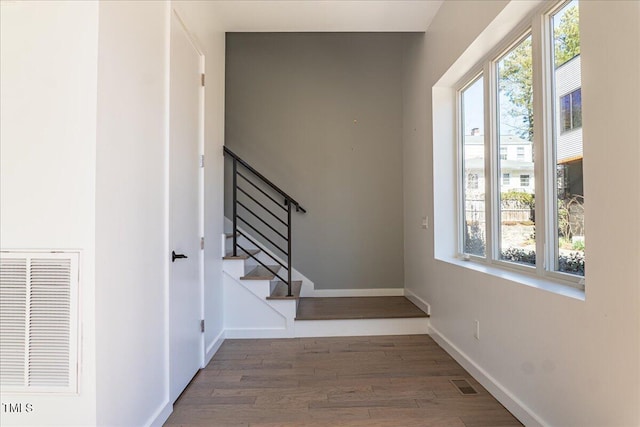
(516, 164)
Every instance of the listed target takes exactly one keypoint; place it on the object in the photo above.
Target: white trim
(213, 348)
(497, 390)
(257, 333)
(159, 419)
(414, 298)
(361, 327)
(161, 415)
(370, 292)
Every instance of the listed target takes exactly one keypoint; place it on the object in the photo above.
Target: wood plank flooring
(357, 308)
(380, 381)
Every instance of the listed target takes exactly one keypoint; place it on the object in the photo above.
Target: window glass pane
(569, 194)
(472, 108)
(576, 109)
(515, 116)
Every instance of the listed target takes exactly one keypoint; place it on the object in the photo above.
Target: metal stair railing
(269, 193)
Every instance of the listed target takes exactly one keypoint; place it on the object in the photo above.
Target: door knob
(175, 256)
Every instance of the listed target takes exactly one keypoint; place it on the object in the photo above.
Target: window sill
(544, 284)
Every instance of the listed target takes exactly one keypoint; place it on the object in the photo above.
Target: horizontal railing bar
(259, 175)
(262, 220)
(266, 251)
(264, 265)
(260, 233)
(262, 191)
(263, 206)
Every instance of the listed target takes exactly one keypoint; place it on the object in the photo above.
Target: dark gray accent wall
(320, 115)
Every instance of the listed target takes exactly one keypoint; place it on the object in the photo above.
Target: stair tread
(261, 273)
(280, 290)
(241, 254)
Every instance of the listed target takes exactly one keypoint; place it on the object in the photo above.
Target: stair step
(261, 273)
(241, 254)
(229, 235)
(280, 290)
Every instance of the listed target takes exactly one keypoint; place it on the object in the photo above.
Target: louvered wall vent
(38, 321)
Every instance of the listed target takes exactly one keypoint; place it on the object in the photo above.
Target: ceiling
(313, 15)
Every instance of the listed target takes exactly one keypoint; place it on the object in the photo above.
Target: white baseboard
(361, 327)
(214, 347)
(501, 393)
(372, 292)
(255, 333)
(161, 415)
(422, 304)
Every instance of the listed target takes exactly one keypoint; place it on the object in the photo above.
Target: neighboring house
(569, 135)
(516, 164)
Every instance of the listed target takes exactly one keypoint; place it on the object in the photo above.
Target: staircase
(261, 289)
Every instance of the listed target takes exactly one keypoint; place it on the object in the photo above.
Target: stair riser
(234, 267)
(361, 327)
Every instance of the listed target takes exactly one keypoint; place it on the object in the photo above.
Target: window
(547, 162)
(567, 196)
(515, 124)
(473, 157)
(571, 111)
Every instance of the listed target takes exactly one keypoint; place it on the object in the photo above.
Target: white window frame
(474, 76)
(538, 26)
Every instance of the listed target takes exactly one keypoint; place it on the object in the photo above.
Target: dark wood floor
(357, 308)
(348, 381)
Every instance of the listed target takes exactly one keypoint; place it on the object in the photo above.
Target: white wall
(47, 184)
(551, 359)
(84, 166)
(131, 215)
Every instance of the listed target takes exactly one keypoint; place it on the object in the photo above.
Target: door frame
(173, 13)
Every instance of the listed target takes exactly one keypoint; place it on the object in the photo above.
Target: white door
(185, 304)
